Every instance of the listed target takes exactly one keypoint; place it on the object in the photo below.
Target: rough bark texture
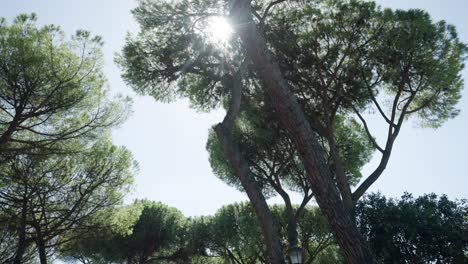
(302, 135)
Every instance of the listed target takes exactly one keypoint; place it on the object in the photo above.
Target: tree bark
(292, 117)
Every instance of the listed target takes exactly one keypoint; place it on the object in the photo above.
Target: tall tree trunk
(21, 247)
(340, 174)
(239, 164)
(268, 225)
(291, 216)
(291, 115)
(42, 250)
(292, 230)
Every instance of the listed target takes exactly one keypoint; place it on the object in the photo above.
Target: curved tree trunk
(268, 225)
(291, 115)
(239, 164)
(42, 249)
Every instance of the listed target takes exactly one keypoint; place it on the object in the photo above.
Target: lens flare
(218, 30)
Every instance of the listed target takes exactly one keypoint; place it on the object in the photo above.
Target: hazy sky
(168, 140)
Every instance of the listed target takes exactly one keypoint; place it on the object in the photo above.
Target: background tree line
(427, 229)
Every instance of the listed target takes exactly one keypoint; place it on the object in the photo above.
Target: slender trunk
(374, 175)
(269, 228)
(21, 236)
(42, 249)
(239, 164)
(292, 232)
(291, 216)
(345, 231)
(342, 181)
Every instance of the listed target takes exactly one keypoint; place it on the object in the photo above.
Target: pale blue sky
(168, 140)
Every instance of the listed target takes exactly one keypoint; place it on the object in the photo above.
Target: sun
(218, 30)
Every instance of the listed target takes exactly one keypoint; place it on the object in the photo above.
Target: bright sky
(168, 140)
